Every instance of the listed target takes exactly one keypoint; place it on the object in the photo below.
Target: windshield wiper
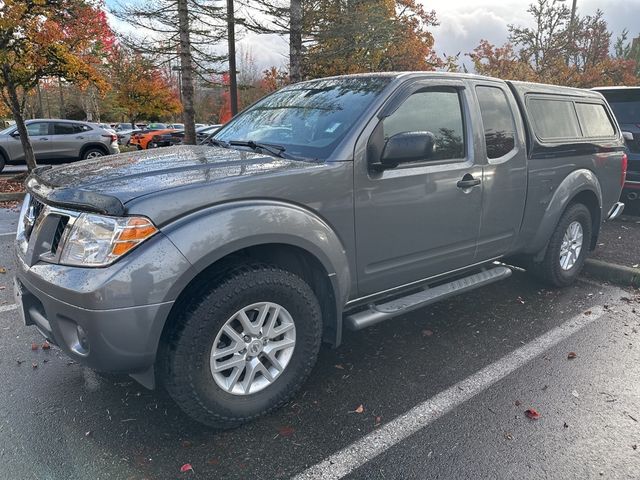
(275, 150)
(214, 141)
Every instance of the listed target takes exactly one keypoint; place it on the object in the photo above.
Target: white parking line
(377, 442)
(10, 234)
(8, 308)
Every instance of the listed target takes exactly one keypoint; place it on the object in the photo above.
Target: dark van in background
(625, 103)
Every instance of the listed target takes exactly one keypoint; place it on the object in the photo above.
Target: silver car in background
(58, 140)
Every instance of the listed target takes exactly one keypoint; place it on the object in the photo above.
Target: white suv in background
(58, 140)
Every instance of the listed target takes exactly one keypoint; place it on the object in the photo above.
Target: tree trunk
(231, 39)
(16, 111)
(62, 109)
(295, 41)
(186, 73)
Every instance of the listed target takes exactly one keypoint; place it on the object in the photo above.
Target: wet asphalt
(59, 420)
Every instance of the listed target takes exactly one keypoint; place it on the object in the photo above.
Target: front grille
(57, 236)
(31, 217)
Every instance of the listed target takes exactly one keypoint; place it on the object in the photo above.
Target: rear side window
(594, 120)
(497, 118)
(63, 129)
(438, 111)
(553, 119)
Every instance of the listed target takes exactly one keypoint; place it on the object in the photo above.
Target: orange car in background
(142, 139)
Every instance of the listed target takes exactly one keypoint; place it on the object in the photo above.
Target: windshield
(625, 104)
(307, 119)
(8, 130)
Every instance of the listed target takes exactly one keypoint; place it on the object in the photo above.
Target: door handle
(80, 138)
(468, 182)
(43, 138)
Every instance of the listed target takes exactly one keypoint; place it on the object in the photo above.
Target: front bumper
(113, 340)
(111, 318)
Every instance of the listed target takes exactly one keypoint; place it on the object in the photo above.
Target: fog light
(83, 339)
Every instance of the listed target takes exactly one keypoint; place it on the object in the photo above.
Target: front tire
(567, 249)
(242, 348)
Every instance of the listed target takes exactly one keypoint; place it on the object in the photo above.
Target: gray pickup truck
(219, 269)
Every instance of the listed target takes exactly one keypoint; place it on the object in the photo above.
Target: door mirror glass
(407, 147)
(15, 134)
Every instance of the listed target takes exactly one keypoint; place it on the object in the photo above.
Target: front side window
(594, 120)
(554, 119)
(438, 111)
(497, 118)
(308, 119)
(37, 129)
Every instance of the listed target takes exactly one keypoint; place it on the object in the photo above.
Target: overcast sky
(463, 23)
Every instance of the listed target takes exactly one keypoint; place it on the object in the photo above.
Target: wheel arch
(97, 145)
(294, 239)
(580, 186)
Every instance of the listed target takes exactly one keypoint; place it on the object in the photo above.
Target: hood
(106, 184)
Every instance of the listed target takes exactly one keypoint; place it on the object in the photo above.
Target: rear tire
(567, 249)
(194, 351)
(93, 152)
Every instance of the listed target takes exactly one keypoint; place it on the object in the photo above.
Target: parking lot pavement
(59, 420)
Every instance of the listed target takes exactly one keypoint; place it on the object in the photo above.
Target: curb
(611, 272)
(8, 197)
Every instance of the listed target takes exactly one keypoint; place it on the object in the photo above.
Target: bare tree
(182, 32)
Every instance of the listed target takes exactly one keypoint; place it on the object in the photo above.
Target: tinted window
(625, 104)
(553, 119)
(497, 118)
(63, 129)
(37, 129)
(436, 111)
(594, 120)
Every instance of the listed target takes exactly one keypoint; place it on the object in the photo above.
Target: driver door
(416, 220)
(38, 134)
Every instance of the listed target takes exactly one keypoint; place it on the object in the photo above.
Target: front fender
(208, 235)
(576, 182)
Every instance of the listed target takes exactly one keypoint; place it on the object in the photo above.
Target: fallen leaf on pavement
(588, 312)
(517, 403)
(360, 409)
(286, 431)
(378, 421)
(508, 436)
(88, 434)
(34, 365)
(339, 367)
(532, 413)
(519, 299)
(34, 346)
(427, 333)
(45, 345)
(3, 270)
(186, 468)
(572, 355)
(575, 394)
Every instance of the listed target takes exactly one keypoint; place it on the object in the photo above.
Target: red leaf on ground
(360, 409)
(34, 346)
(532, 413)
(45, 345)
(572, 355)
(186, 468)
(286, 431)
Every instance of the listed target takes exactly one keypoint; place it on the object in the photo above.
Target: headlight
(97, 240)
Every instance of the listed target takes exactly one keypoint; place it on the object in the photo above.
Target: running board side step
(378, 313)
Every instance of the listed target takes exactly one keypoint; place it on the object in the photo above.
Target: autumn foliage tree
(389, 35)
(141, 90)
(557, 50)
(46, 38)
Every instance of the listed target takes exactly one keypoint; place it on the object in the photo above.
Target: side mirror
(15, 134)
(407, 147)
